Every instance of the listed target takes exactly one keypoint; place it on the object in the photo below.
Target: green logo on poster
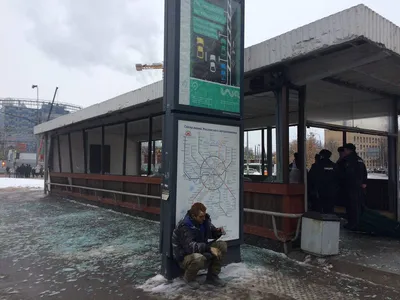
(232, 93)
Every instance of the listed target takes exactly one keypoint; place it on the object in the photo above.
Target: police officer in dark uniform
(355, 184)
(324, 183)
(341, 199)
(312, 196)
(340, 150)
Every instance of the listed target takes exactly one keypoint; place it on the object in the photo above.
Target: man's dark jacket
(355, 172)
(323, 183)
(190, 237)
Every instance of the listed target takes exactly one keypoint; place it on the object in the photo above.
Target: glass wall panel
(77, 152)
(114, 138)
(64, 151)
(55, 162)
(136, 154)
(93, 146)
(332, 104)
(373, 149)
(156, 149)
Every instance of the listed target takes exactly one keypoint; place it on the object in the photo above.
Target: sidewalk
(372, 258)
(59, 249)
(269, 275)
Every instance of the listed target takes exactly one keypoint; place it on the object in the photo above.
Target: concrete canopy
(350, 58)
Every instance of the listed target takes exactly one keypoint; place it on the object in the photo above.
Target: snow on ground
(27, 183)
(265, 274)
(238, 276)
(86, 237)
(73, 243)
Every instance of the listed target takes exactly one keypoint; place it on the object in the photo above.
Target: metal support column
(269, 152)
(262, 152)
(84, 150)
(71, 164)
(344, 137)
(102, 150)
(149, 146)
(59, 153)
(154, 155)
(302, 134)
(125, 148)
(181, 107)
(282, 133)
(393, 164)
(46, 162)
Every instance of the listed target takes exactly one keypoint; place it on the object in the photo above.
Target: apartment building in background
(372, 149)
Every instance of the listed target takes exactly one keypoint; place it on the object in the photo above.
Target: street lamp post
(35, 86)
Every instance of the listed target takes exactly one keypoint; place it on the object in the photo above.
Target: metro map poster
(210, 41)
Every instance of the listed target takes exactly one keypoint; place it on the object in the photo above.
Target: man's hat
(325, 153)
(340, 149)
(350, 147)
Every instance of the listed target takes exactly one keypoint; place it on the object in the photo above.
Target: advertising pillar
(203, 128)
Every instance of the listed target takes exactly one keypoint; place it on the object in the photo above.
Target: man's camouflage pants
(195, 262)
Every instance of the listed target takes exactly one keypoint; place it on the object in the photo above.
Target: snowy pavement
(52, 248)
(27, 183)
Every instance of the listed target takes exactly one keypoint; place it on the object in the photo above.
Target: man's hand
(364, 186)
(221, 230)
(216, 252)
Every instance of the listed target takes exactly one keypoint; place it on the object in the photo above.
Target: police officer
(355, 184)
(312, 195)
(324, 183)
(317, 157)
(340, 163)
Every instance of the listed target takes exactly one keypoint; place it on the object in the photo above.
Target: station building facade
(338, 73)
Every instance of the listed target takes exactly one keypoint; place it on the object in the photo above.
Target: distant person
(355, 178)
(28, 170)
(37, 170)
(191, 248)
(295, 163)
(340, 150)
(317, 157)
(311, 195)
(22, 170)
(323, 178)
(8, 171)
(294, 170)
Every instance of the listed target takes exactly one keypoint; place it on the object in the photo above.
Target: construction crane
(155, 66)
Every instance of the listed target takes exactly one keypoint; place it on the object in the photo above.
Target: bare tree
(313, 146)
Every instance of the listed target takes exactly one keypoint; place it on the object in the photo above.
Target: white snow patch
(133, 217)
(80, 203)
(113, 211)
(21, 183)
(234, 274)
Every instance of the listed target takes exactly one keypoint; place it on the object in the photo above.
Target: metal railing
(274, 214)
(250, 210)
(103, 190)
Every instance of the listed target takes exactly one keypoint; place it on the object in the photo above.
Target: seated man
(192, 250)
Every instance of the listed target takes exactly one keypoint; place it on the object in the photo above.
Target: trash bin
(320, 234)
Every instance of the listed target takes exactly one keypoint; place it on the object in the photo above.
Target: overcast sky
(88, 48)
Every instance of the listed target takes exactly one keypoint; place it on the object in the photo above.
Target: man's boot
(214, 279)
(191, 282)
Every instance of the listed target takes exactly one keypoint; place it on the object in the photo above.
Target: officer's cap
(325, 153)
(350, 147)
